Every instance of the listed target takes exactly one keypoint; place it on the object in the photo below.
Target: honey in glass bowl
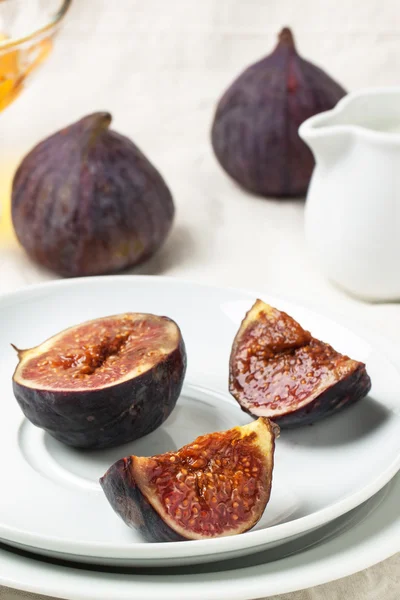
(27, 30)
(16, 65)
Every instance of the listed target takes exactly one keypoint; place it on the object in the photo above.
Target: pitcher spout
(328, 142)
(370, 116)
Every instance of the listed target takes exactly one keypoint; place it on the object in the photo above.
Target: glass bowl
(27, 32)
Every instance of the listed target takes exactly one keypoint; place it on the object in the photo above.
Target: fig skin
(131, 505)
(130, 485)
(87, 201)
(279, 371)
(254, 132)
(107, 415)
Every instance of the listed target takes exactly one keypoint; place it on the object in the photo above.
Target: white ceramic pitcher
(352, 213)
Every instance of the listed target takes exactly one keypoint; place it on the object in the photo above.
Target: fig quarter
(280, 371)
(218, 485)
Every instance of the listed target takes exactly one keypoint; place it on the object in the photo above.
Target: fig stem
(98, 120)
(94, 125)
(18, 351)
(286, 37)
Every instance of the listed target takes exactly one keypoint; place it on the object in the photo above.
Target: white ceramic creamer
(352, 213)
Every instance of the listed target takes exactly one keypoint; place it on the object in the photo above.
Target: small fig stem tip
(93, 126)
(286, 37)
(105, 118)
(99, 120)
(17, 350)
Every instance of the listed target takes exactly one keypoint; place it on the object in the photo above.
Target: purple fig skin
(255, 128)
(279, 371)
(343, 394)
(105, 417)
(86, 201)
(124, 413)
(129, 503)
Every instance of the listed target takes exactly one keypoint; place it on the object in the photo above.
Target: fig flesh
(103, 382)
(278, 370)
(219, 485)
(254, 133)
(87, 201)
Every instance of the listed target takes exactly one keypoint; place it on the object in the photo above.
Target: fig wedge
(103, 382)
(280, 371)
(219, 485)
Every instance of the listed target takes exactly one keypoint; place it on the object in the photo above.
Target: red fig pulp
(278, 370)
(219, 485)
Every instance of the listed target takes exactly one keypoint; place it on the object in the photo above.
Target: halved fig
(104, 382)
(278, 370)
(219, 485)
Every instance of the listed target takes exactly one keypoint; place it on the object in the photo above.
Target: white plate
(355, 541)
(54, 503)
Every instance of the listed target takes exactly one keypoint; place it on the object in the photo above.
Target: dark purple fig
(255, 130)
(218, 485)
(278, 370)
(104, 382)
(86, 201)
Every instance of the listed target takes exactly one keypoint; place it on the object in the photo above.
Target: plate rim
(253, 539)
(335, 559)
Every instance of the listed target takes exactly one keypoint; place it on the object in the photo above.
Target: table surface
(160, 74)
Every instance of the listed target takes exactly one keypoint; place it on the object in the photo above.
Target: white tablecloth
(160, 68)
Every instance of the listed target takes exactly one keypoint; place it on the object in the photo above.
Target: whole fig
(255, 129)
(86, 201)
